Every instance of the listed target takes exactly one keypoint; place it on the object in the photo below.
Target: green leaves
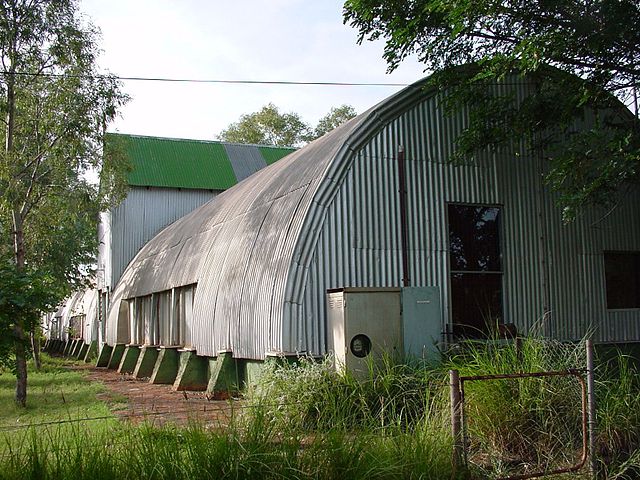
(56, 107)
(336, 117)
(578, 56)
(267, 127)
(24, 295)
(270, 127)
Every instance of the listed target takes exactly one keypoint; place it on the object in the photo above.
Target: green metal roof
(273, 154)
(197, 164)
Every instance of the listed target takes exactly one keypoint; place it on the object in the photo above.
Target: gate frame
(587, 410)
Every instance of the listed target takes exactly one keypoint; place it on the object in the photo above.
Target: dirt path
(138, 400)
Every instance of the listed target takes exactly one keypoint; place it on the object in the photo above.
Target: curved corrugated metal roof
(249, 248)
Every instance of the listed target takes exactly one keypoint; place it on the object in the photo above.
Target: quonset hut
(246, 275)
(169, 178)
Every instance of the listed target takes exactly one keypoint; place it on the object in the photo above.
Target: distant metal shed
(254, 263)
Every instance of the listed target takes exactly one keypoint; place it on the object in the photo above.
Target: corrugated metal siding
(327, 216)
(546, 264)
(177, 163)
(273, 154)
(142, 215)
(196, 164)
(360, 241)
(237, 248)
(90, 310)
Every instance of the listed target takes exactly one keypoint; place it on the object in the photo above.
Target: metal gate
(461, 417)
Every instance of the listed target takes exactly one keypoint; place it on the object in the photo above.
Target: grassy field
(55, 392)
(305, 422)
(59, 398)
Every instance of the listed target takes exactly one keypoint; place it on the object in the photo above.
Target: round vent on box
(360, 345)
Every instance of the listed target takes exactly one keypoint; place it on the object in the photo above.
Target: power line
(219, 81)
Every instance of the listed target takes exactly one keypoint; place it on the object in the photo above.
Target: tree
(270, 127)
(592, 47)
(56, 108)
(336, 117)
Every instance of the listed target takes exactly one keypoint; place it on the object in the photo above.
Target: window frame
(451, 272)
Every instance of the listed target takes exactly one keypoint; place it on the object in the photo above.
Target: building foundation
(166, 367)
(129, 359)
(192, 372)
(146, 362)
(104, 356)
(116, 356)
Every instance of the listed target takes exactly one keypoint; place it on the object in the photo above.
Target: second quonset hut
(245, 276)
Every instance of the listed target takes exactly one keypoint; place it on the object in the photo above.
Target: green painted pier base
(54, 346)
(193, 372)
(129, 359)
(104, 356)
(92, 352)
(82, 351)
(165, 370)
(116, 356)
(224, 375)
(146, 361)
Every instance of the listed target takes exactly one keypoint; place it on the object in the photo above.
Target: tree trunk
(18, 232)
(20, 339)
(21, 366)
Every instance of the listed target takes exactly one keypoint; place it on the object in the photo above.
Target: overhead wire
(219, 81)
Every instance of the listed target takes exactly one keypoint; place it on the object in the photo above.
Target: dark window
(622, 278)
(476, 269)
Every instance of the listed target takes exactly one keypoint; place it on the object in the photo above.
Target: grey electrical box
(364, 326)
(367, 324)
(422, 322)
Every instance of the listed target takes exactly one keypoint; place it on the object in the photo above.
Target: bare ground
(137, 401)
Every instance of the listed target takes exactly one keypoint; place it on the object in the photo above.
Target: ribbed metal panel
(238, 248)
(360, 240)
(142, 214)
(191, 164)
(245, 159)
(553, 276)
(90, 310)
(176, 163)
(264, 252)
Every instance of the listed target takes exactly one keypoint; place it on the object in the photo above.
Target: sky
(269, 40)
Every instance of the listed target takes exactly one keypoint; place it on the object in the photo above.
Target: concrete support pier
(129, 359)
(92, 352)
(146, 361)
(104, 356)
(192, 372)
(165, 370)
(224, 375)
(116, 356)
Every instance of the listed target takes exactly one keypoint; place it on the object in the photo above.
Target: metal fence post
(591, 394)
(456, 420)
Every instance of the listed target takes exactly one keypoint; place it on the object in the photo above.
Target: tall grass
(526, 424)
(303, 421)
